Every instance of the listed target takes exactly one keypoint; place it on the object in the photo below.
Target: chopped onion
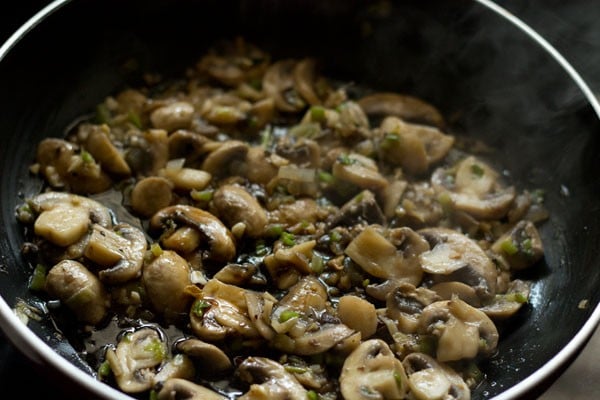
(296, 174)
(175, 164)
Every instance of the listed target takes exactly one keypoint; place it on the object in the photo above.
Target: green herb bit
(345, 159)
(473, 372)
(104, 369)
(317, 114)
(326, 177)
(38, 278)
(335, 236)
(155, 249)
(265, 136)
(366, 282)
(199, 306)
(153, 395)
(308, 130)
(527, 246)
(317, 263)
(157, 349)
(516, 297)
(135, 119)
(295, 369)
(538, 196)
(261, 250)
(483, 345)
(312, 395)
(427, 345)
(288, 238)
(509, 247)
(389, 140)
(202, 195)
(399, 380)
(477, 170)
(86, 157)
(286, 315)
(275, 230)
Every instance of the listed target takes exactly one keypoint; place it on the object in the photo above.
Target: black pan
(496, 78)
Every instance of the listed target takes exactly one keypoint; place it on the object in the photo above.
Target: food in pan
(258, 230)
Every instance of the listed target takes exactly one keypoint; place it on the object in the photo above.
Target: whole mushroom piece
(429, 379)
(372, 371)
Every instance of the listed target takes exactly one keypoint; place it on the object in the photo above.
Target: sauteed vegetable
(258, 230)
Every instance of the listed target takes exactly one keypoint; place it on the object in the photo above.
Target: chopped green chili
(288, 238)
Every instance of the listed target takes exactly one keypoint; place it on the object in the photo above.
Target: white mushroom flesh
(259, 208)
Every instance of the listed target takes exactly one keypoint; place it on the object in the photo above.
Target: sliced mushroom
(220, 240)
(235, 205)
(269, 380)
(186, 179)
(362, 208)
(178, 367)
(372, 371)
(187, 144)
(506, 305)
(259, 307)
(475, 188)
(406, 303)
(134, 361)
(207, 355)
(429, 379)
(448, 290)
(241, 274)
(217, 163)
(181, 389)
(121, 250)
(455, 257)
(358, 314)
(177, 115)
(360, 171)
(63, 218)
(165, 278)
(521, 246)
(278, 83)
(151, 194)
(64, 166)
(221, 312)
(105, 152)
(258, 167)
(305, 80)
(79, 289)
(463, 331)
(377, 256)
(402, 106)
(414, 147)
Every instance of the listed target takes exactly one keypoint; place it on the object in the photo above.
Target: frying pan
(495, 78)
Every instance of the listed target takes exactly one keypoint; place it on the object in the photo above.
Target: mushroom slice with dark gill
(207, 355)
(402, 106)
(235, 205)
(182, 389)
(135, 360)
(521, 246)
(372, 371)
(474, 187)
(463, 331)
(120, 251)
(455, 257)
(379, 257)
(269, 380)
(429, 379)
(221, 245)
(413, 147)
